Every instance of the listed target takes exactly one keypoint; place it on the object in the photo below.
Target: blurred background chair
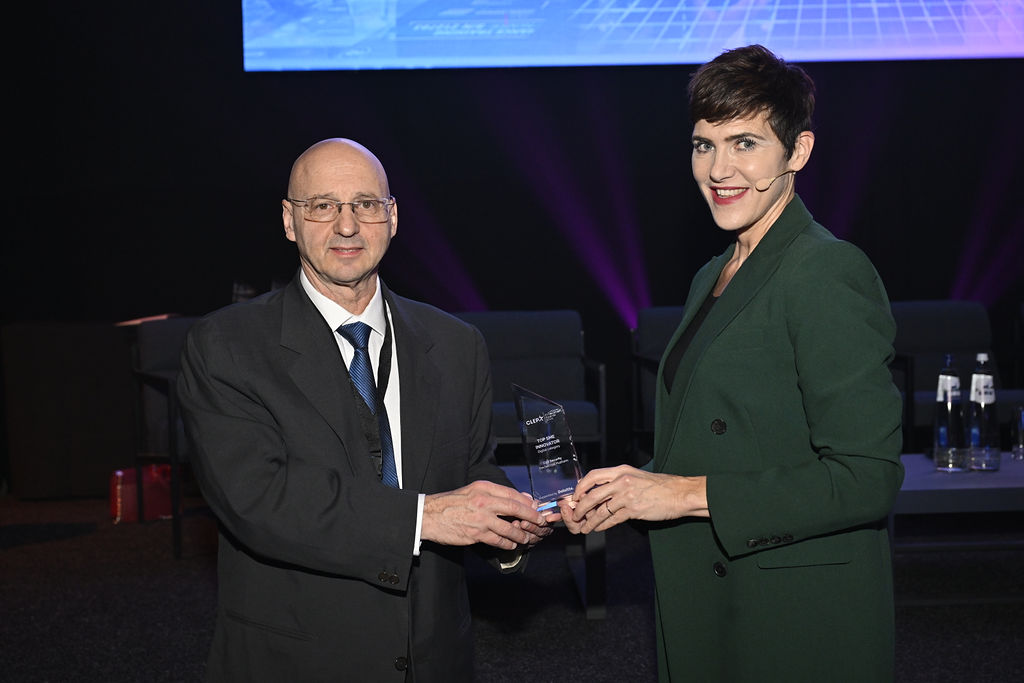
(654, 328)
(926, 330)
(160, 434)
(543, 351)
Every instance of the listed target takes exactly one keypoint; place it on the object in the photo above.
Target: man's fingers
(498, 541)
(483, 512)
(519, 508)
(535, 531)
(508, 502)
(511, 532)
(552, 516)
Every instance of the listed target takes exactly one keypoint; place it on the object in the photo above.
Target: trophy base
(548, 506)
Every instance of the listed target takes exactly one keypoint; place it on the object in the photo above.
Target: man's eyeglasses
(323, 210)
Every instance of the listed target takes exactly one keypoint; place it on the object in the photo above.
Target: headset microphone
(766, 188)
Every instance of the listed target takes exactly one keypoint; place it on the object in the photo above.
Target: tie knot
(357, 334)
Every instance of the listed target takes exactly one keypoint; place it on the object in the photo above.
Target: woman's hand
(612, 495)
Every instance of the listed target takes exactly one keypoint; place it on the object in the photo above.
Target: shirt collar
(336, 315)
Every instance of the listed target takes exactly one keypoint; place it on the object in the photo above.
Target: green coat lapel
(745, 284)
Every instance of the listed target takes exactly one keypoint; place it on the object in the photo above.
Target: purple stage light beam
(422, 240)
(554, 182)
(610, 157)
(989, 261)
(1003, 270)
(428, 245)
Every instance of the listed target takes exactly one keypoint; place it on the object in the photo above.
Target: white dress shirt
(374, 316)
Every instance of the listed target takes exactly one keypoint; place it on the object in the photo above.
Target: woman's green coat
(785, 401)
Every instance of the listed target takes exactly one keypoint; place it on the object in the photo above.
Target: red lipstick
(722, 201)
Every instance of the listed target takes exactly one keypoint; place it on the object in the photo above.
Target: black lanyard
(369, 422)
(384, 361)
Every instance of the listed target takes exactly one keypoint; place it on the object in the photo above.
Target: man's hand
(483, 512)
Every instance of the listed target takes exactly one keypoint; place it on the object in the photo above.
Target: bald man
(328, 569)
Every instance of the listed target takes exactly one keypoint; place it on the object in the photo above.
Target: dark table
(926, 490)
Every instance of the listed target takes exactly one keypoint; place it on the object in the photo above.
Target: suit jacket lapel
(420, 381)
(667, 405)
(319, 372)
(745, 284)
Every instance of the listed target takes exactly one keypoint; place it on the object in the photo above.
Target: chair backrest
(159, 343)
(539, 350)
(654, 328)
(927, 330)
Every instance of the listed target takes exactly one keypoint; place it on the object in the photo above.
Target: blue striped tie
(358, 334)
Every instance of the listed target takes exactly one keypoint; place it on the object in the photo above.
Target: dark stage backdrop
(149, 169)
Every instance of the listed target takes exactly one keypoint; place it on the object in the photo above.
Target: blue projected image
(385, 34)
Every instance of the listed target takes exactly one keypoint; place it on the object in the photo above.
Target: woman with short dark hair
(777, 428)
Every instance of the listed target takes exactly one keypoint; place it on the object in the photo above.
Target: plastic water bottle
(982, 421)
(949, 453)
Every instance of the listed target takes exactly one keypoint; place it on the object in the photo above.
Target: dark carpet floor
(84, 600)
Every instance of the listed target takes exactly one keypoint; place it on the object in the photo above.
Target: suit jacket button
(787, 538)
(719, 569)
(776, 540)
(401, 663)
(718, 426)
(382, 577)
(394, 578)
(763, 541)
(751, 542)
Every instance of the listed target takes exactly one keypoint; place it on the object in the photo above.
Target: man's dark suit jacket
(317, 578)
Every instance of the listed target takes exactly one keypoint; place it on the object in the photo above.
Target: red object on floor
(156, 494)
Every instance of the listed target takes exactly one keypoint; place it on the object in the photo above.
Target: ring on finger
(606, 507)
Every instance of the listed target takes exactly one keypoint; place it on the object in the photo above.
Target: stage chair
(902, 370)
(543, 351)
(654, 328)
(160, 436)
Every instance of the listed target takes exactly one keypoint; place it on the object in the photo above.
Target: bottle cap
(981, 357)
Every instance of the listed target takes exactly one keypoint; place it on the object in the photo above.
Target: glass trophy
(547, 444)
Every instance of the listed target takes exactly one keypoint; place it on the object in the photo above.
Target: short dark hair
(748, 81)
